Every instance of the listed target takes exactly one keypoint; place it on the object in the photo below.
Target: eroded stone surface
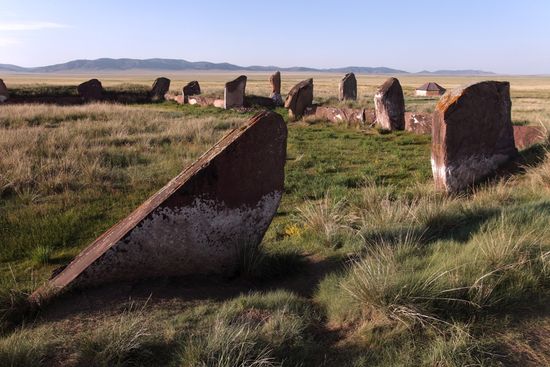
(347, 89)
(192, 88)
(526, 136)
(234, 91)
(299, 97)
(418, 123)
(161, 86)
(389, 104)
(275, 81)
(350, 116)
(91, 90)
(200, 221)
(4, 95)
(472, 134)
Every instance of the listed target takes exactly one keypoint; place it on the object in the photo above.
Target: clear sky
(503, 36)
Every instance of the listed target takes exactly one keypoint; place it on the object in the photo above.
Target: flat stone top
(223, 183)
(234, 84)
(94, 83)
(448, 101)
(388, 84)
(303, 84)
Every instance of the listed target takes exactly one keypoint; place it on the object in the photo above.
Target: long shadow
(186, 290)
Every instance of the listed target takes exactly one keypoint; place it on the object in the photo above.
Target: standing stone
(200, 222)
(191, 89)
(233, 94)
(299, 97)
(4, 95)
(91, 90)
(472, 134)
(389, 104)
(160, 88)
(275, 81)
(348, 88)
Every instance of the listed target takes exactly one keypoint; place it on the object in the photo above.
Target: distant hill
(106, 64)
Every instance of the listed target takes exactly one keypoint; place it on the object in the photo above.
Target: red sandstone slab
(199, 222)
(418, 123)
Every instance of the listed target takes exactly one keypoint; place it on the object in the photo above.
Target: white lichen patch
(202, 238)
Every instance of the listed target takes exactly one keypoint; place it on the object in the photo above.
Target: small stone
(191, 89)
(526, 136)
(4, 95)
(161, 86)
(234, 92)
(418, 123)
(389, 104)
(91, 90)
(299, 97)
(275, 81)
(348, 88)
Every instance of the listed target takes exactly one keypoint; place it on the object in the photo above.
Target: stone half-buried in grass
(472, 134)
(197, 223)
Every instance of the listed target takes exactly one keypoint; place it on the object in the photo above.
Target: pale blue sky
(503, 36)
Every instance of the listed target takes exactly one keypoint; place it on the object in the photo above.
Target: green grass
(425, 279)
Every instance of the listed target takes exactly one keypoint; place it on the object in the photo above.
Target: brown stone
(472, 134)
(91, 90)
(191, 89)
(389, 104)
(161, 86)
(299, 97)
(233, 94)
(275, 95)
(349, 116)
(418, 123)
(4, 95)
(200, 222)
(347, 89)
(526, 136)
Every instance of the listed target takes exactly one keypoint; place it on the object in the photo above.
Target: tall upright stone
(200, 222)
(299, 98)
(161, 86)
(389, 104)
(233, 94)
(4, 94)
(347, 89)
(192, 88)
(91, 90)
(275, 81)
(472, 134)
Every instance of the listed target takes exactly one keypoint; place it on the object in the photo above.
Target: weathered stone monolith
(200, 222)
(161, 86)
(233, 94)
(275, 81)
(347, 90)
(389, 104)
(192, 88)
(91, 90)
(472, 134)
(299, 97)
(4, 95)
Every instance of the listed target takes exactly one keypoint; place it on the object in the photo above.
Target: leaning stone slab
(200, 222)
(418, 123)
(472, 134)
(91, 90)
(349, 116)
(275, 81)
(299, 97)
(4, 95)
(161, 86)
(347, 89)
(233, 94)
(389, 104)
(526, 136)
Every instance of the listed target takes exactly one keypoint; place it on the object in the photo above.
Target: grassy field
(364, 264)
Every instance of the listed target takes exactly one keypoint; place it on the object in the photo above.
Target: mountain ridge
(160, 64)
